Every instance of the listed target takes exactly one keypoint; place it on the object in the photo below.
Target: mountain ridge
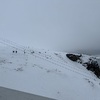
(47, 73)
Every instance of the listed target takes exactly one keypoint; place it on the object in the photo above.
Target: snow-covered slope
(46, 73)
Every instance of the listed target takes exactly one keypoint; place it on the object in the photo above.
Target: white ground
(46, 73)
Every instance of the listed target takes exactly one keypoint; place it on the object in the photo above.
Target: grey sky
(51, 24)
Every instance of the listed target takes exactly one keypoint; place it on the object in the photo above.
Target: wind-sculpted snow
(47, 73)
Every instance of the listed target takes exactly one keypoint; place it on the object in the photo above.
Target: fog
(62, 25)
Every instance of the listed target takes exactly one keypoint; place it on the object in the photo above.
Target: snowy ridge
(46, 73)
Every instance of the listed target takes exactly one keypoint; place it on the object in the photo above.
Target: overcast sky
(51, 24)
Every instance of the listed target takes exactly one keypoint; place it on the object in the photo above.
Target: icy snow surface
(47, 73)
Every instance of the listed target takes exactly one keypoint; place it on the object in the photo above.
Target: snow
(47, 73)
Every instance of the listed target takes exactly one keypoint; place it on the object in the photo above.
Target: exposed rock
(91, 64)
(73, 57)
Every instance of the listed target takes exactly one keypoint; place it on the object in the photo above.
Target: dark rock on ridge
(91, 64)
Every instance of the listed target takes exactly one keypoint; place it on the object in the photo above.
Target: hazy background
(60, 25)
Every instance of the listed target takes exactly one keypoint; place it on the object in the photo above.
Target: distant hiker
(40, 52)
(14, 51)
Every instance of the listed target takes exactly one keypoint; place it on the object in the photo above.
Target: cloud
(51, 24)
